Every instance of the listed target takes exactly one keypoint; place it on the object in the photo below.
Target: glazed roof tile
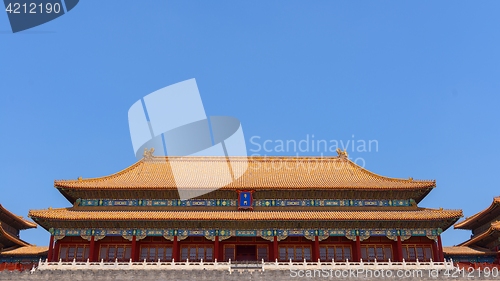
(471, 222)
(261, 173)
(467, 250)
(20, 221)
(15, 240)
(494, 227)
(71, 214)
(26, 250)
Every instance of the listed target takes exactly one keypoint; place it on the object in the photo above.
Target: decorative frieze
(267, 234)
(250, 203)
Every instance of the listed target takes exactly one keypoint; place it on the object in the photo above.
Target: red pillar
(134, 248)
(357, 249)
(91, 250)
(316, 248)
(275, 248)
(435, 251)
(399, 249)
(55, 253)
(440, 249)
(51, 248)
(175, 250)
(216, 248)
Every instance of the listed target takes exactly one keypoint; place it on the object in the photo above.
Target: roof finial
(342, 154)
(148, 154)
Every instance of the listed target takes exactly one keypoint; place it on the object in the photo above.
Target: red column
(357, 249)
(316, 248)
(440, 249)
(51, 248)
(216, 248)
(134, 248)
(435, 253)
(275, 248)
(399, 249)
(91, 250)
(175, 250)
(55, 252)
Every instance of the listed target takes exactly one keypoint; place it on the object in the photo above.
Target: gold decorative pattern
(99, 237)
(169, 237)
(224, 237)
(128, 237)
(181, 237)
(432, 237)
(323, 237)
(310, 237)
(86, 237)
(405, 237)
(58, 237)
(268, 238)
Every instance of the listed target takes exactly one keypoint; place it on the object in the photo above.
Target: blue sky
(420, 78)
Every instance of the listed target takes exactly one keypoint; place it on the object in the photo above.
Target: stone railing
(263, 266)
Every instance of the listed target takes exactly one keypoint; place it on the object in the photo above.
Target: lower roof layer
(467, 251)
(26, 250)
(71, 214)
(8, 239)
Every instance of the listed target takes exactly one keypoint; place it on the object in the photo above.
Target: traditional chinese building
(280, 208)
(483, 246)
(14, 252)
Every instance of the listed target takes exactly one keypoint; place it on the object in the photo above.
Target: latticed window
(229, 252)
(197, 252)
(262, 252)
(74, 252)
(378, 252)
(115, 252)
(412, 252)
(335, 252)
(155, 253)
(294, 253)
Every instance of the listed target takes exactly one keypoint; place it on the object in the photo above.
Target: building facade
(14, 252)
(281, 208)
(483, 246)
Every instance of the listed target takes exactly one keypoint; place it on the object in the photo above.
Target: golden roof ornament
(342, 154)
(148, 154)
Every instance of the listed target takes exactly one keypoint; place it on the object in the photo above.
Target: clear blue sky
(420, 77)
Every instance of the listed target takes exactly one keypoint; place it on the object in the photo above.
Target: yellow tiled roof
(10, 237)
(466, 250)
(469, 222)
(495, 226)
(26, 250)
(71, 214)
(19, 219)
(262, 173)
